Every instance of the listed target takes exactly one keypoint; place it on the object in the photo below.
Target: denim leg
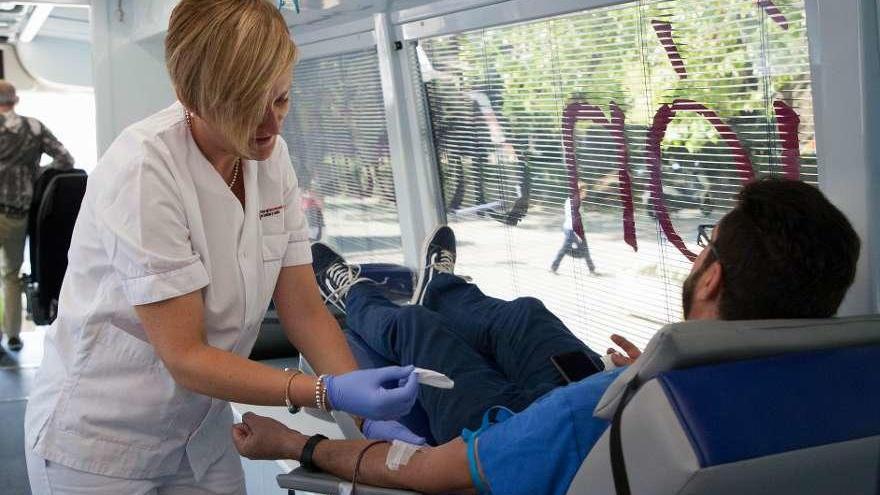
(418, 336)
(584, 249)
(565, 249)
(370, 315)
(520, 336)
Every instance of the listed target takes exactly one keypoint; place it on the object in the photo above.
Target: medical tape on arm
(399, 454)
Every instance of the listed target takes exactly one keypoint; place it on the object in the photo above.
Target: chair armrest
(300, 479)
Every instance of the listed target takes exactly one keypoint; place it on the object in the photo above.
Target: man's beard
(688, 288)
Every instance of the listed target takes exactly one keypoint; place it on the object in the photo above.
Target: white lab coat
(158, 222)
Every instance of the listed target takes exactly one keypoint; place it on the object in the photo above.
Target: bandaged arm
(440, 469)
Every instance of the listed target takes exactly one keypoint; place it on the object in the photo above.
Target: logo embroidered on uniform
(268, 212)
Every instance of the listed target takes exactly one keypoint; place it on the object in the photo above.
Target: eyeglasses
(704, 234)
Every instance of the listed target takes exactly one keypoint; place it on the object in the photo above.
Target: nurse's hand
(381, 393)
(391, 430)
(259, 437)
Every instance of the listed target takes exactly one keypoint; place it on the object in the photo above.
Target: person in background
(23, 141)
(573, 245)
(313, 207)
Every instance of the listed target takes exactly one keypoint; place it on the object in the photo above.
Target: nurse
(190, 224)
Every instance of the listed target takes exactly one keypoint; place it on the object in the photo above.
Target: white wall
(843, 49)
(130, 77)
(13, 70)
(58, 60)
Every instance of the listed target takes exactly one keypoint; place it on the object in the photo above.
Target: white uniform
(158, 222)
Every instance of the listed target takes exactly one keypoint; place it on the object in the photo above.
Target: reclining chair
(57, 197)
(750, 407)
(739, 407)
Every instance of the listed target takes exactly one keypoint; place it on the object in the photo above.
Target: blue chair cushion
(754, 408)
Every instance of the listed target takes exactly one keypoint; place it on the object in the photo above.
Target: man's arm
(62, 159)
(440, 469)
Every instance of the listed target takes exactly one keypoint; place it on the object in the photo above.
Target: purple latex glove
(380, 393)
(390, 430)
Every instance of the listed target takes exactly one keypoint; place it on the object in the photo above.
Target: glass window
(339, 147)
(651, 114)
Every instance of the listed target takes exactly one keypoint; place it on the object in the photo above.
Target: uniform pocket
(122, 394)
(274, 246)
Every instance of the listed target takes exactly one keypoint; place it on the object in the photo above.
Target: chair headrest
(694, 343)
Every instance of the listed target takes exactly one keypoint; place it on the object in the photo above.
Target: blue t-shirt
(541, 449)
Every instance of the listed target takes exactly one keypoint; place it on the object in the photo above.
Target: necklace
(235, 166)
(235, 172)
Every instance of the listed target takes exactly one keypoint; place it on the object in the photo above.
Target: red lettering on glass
(774, 12)
(664, 115)
(624, 177)
(573, 113)
(664, 34)
(788, 125)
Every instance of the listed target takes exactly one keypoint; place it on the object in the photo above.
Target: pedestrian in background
(573, 245)
(23, 141)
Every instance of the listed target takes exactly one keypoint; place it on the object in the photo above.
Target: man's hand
(632, 352)
(258, 437)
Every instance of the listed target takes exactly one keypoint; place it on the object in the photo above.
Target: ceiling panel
(320, 14)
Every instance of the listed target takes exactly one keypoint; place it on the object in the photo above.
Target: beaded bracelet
(321, 394)
(324, 397)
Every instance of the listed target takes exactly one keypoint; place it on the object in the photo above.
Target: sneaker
(15, 344)
(334, 276)
(438, 254)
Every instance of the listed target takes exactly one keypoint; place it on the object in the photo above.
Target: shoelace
(444, 262)
(340, 279)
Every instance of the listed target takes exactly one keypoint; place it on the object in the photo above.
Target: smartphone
(575, 366)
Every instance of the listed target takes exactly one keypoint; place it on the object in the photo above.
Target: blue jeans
(575, 247)
(498, 352)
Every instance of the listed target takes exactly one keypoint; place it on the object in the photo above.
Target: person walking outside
(23, 141)
(573, 245)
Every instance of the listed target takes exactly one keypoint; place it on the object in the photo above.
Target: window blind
(338, 143)
(660, 108)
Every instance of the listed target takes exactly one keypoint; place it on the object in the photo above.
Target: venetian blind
(669, 105)
(338, 143)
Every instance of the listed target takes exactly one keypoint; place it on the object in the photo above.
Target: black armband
(305, 459)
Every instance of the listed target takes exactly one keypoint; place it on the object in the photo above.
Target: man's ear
(710, 284)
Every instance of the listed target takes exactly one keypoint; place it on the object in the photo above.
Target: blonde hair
(223, 57)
